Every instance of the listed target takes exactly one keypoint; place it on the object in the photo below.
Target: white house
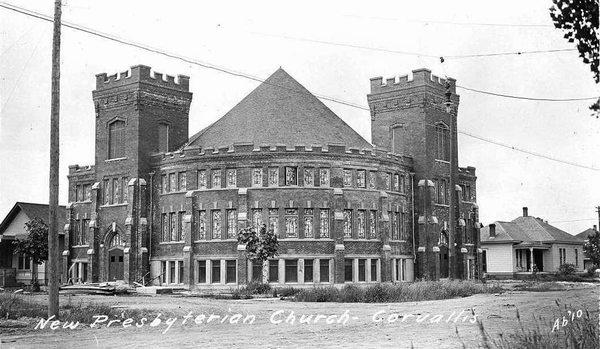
(15, 268)
(527, 243)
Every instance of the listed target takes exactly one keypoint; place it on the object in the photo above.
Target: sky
(258, 37)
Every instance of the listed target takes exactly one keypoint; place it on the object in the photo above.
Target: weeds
(402, 292)
(15, 306)
(578, 333)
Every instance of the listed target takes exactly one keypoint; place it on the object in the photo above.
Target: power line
(428, 21)
(527, 98)
(254, 78)
(547, 157)
(574, 220)
(229, 71)
(411, 53)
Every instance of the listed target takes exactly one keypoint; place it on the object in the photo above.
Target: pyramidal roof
(527, 229)
(280, 111)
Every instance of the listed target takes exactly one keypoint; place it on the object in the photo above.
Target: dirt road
(430, 324)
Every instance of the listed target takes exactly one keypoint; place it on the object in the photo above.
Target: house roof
(584, 234)
(32, 211)
(280, 111)
(526, 229)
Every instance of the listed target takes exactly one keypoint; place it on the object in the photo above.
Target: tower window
(163, 138)
(442, 136)
(361, 178)
(116, 144)
(291, 176)
(347, 178)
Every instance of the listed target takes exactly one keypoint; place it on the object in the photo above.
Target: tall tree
(579, 20)
(591, 248)
(34, 246)
(260, 246)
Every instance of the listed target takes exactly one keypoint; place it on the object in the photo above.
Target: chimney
(525, 212)
(492, 230)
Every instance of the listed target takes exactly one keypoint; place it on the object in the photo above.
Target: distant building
(583, 236)
(526, 243)
(16, 268)
(160, 207)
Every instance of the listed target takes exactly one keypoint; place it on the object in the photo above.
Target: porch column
(531, 259)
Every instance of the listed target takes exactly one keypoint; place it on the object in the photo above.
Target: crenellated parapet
(468, 171)
(142, 73)
(420, 77)
(246, 150)
(81, 169)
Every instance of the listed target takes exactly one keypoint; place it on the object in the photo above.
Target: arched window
(443, 238)
(116, 138)
(442, 137)
(115, 241)
(163, 138)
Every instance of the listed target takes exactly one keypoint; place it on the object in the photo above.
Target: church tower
(137, 114)
(409, 117)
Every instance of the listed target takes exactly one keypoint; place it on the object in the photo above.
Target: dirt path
(498, 313)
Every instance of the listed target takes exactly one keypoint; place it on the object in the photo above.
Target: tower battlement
(421, 77)
(142, 73)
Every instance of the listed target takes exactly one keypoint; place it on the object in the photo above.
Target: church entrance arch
(115, 258)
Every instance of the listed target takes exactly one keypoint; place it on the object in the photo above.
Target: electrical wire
(254, 78)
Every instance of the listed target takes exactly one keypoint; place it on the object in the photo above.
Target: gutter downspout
(412, 194)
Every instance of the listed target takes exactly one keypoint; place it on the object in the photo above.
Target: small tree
(34, 246)
(592, 248)
(260, 246)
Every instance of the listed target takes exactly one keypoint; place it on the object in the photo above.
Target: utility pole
(598, 210)
(53, 253)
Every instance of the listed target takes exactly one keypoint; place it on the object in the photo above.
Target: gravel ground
(428, 324)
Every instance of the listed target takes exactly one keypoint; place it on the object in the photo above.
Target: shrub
(401, 292)
(287, 291)
(591, 271)
(566, 269)
(352, 294)
(256, 287)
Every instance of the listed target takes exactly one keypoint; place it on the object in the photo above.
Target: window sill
(442, 161)
(79, 246)
(216, 240)
(171, 242)
(174, 192)
(442, 205)
(305, 239)
(83, 202)
(362, 240)
(115, 159)
(114, 205)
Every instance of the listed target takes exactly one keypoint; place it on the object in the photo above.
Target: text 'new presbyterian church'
(161, 207)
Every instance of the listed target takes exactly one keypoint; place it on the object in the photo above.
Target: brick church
(163, 208)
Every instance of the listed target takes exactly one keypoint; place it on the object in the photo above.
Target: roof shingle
(527, 229)
(280, 111)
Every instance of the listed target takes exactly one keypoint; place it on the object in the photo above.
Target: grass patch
(401, 292)
(533, 286)
(17, 306)
(577, 333)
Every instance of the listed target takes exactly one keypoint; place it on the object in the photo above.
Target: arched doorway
(443, 255)
(115, 258)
